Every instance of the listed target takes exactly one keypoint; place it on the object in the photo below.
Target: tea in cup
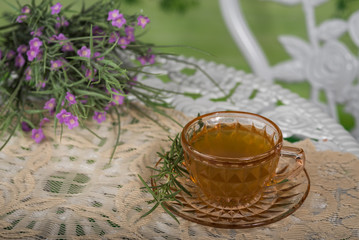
(233, 156)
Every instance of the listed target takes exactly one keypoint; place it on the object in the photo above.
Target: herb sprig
(166, 187)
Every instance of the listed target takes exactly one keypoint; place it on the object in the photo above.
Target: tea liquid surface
(232, 141)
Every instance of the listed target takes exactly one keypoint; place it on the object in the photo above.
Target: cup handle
(292, 154)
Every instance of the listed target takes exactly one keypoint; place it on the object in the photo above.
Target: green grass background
(202, 33)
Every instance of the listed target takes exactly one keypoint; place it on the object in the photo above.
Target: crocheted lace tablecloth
(66, 189)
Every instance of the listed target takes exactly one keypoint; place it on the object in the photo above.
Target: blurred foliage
(344, 8)
(179, 6)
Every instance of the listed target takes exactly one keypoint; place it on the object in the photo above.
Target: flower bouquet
(64, 67)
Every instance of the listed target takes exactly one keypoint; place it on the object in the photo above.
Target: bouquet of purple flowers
(66, 67)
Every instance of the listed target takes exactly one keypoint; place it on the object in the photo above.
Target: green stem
(8, 26)
(118, 135)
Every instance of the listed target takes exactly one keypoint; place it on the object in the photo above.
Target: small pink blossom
(71, 98)
(19, 61)
(21, 18)
(22, 48)
(61, 22)
(50, 105)
(37, 135)
(32, 54)
(28, 74)
(123, 42)
(25, 9)
(25, 126)
(55, 64)
(118, 99)
(56, 8)
(142, 21)
(96, 56)
(63, 116)
(39, 55)
(113, 37)
(43, 121)
(99, 116)
(84, 52)
(89, 74)
(61, 37)
(130, 33)
(35, 43)
(41, 84)
(97, 31)
(72, 122)
(151, 59)
(113, 15)
(38, 32)
(119, 22)
(67, 47)
(52, 38)
(10, 54)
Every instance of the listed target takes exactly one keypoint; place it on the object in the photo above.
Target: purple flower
(99, 116)
(56, 64)
(151, 59)
(123, 42)
(97, 31)
(38, 32)
(72, 122)
(63, 116)
(142, 21)
(25, 9)
(19, 61)
(61, 22)
(21, 18)
(130, 33)
(119, 22)
(117, 97)
(56, 8)
(50, 105)
(67, 47)
(22, 48)
(41, 84)
(96, 56)
(28, 74)
(35, 43)
(113, 37)
(39, 55)
(10, 54)
(25, 127)
(142, 60)
(71, 98)
(113, 15)
(32, 54)
(61, 37)
(37, 135)
(89, 74)
(84, 52)
(43, 121)
(52, 38)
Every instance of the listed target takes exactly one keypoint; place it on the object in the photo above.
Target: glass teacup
(233, 156)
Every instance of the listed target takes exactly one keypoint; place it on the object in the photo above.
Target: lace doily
(65, 188)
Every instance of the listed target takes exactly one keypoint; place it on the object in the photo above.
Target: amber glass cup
(233, 156)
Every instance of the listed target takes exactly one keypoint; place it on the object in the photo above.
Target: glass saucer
(277, 202)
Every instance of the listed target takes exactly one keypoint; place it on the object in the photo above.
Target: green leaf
(93, 94)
